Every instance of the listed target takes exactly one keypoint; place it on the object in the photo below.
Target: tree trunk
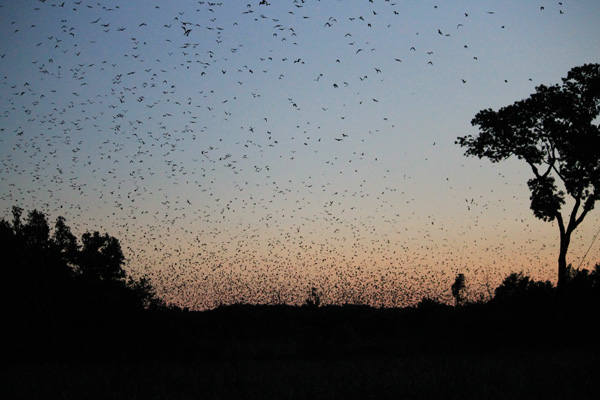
(565, 239)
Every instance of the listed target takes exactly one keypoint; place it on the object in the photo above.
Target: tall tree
(65, 241)
(37, 230)
(555, 131)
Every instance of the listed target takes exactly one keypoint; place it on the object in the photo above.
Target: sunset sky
(246, 152)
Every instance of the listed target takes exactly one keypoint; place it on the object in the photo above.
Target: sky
(249, 151)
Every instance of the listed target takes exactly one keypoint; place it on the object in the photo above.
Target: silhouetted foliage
(65, 242)
(458, 289)
(51, 286)
(583, 289)
(522, 301)
(519, 287)
(313, 299)
(554, 132)
(101, 257)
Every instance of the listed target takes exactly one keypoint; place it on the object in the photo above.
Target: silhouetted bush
(519, 289)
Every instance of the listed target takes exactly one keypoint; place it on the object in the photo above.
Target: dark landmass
(75, 326)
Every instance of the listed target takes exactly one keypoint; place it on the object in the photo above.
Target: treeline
(58, 292)
(64, 298)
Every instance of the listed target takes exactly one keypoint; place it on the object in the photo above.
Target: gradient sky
(276, 147)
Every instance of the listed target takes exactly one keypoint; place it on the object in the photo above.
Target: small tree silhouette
(314, 298)
(458, 289)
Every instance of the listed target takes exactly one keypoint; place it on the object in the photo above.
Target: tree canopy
(556, 132)
(44, 266)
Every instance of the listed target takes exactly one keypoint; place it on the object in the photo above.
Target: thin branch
(582, 216)
(550, 167)
(545, 148)
(572, 219)
(561, 224)
(554, 159)
(558, 173)
(534, 168)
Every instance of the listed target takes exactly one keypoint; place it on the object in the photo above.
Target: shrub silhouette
(521, 289)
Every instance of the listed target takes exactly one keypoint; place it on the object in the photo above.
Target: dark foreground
(498, 375)
(481, 351)
(73, 325)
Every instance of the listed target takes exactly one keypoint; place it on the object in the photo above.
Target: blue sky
(282, 146)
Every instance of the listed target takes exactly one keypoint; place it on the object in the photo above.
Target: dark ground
(350, 352)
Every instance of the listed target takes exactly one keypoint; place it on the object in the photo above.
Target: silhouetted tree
(518, 288)
(65, 242)
(37, 230)
(41, 270)
(16, 222)
(458, 289)
(554, 132)
(101, 257)
(145, 294)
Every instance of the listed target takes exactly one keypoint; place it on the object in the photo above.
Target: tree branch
(558, 173)
(582, 216)
(550, 167)
(561, 224)
(534, 168)
(572, 219)
(552, 160)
